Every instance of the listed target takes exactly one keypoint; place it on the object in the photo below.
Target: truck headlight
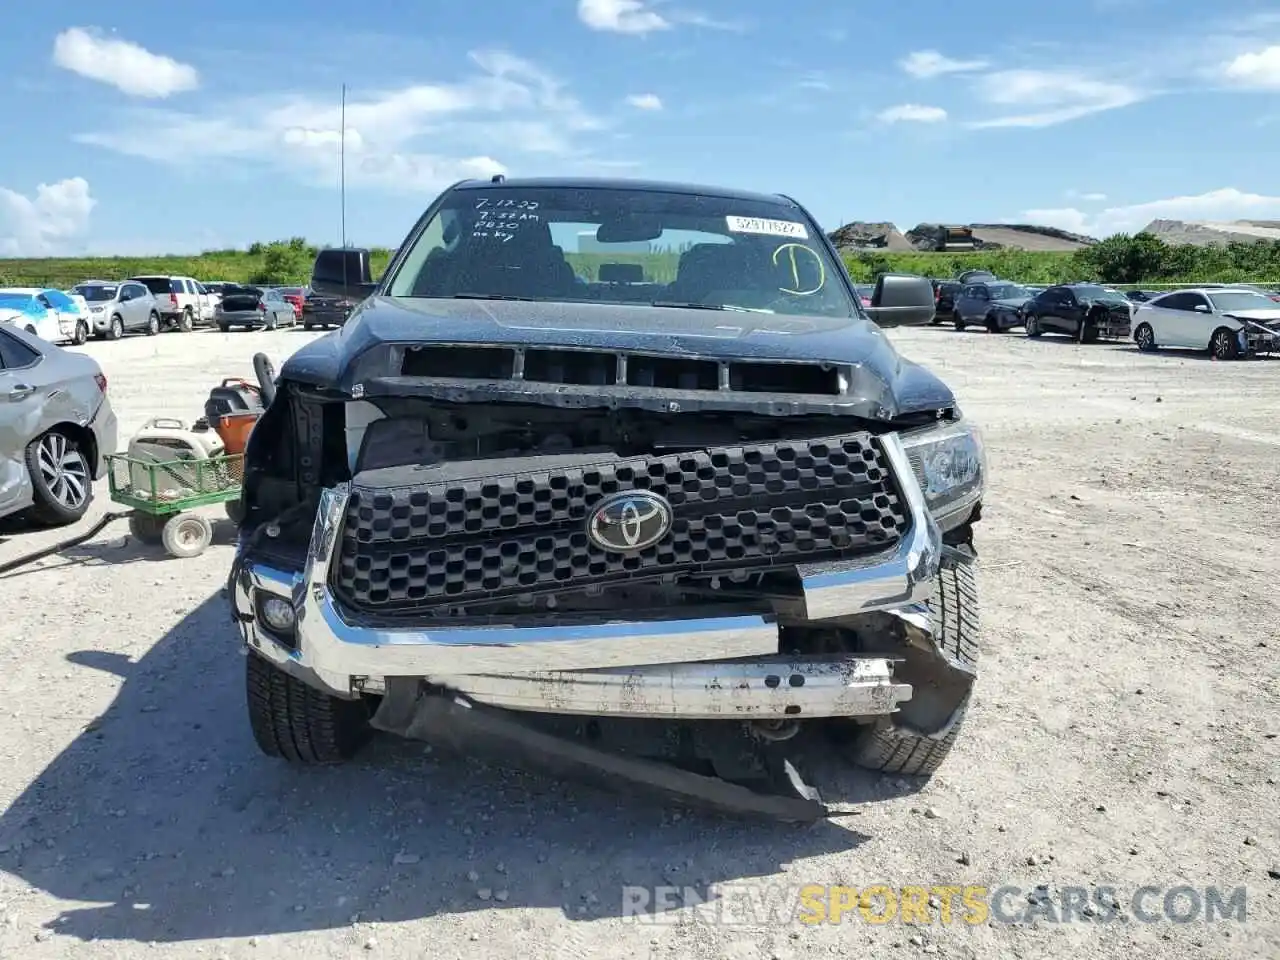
(951, 465)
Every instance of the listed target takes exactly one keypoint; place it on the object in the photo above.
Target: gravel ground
(1124, 731)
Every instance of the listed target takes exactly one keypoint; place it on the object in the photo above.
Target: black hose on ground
(75, 541)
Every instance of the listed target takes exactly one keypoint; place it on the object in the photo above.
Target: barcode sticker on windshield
(774, 228)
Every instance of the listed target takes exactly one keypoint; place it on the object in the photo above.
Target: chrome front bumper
(699, 668)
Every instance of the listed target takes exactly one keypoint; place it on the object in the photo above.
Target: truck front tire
(953, 612)
(294, 722)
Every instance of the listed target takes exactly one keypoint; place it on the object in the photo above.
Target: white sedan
(1229, 323)
(46, 313)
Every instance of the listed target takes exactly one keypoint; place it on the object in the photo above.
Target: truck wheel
(115, 328)
(1031, 325)
(186, 321)
(82, 334)
(958, 321)
(224, 327)
(993, 325)
(153, 324)
(953, 611)
(296, 723)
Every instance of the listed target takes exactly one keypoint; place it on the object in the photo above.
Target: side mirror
(1201, 308)
(901, 300)
(343, 272)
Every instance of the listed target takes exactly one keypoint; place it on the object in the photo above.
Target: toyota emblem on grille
(630, 521)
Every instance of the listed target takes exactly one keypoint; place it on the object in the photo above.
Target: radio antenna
(342, 163)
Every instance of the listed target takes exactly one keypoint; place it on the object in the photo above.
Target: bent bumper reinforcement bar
(540, 668)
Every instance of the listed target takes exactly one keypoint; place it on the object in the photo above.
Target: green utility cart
(162, 493)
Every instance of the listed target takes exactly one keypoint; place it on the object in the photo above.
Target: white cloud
(621, 16)
(1216, 206)
(1260, 69)
(693, 18)
(1042, 98)
(1086, 196)
(912, 113)
(930, 63)
(417, 138)
(639, 17)
(124, 65)
(645, 101)
(45, 225)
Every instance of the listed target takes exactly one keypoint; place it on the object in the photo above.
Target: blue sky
(153, 129)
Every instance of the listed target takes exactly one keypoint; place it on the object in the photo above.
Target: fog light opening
(277, 614)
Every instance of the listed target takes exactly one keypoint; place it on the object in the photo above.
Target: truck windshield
(624, 246)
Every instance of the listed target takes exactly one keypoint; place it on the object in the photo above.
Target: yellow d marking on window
(791, 250)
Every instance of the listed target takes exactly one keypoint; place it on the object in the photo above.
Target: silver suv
(118, 308)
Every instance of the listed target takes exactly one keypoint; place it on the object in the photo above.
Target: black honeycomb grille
(741, 508)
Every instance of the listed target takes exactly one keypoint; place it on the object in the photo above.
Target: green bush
(1122, 259)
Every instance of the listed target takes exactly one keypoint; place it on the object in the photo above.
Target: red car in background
(296, 296)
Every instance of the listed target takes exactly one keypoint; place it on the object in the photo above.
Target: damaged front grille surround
(336, 647)
(607, 368)
(754, 508)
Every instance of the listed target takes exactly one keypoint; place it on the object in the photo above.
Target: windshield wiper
(680, 305)
(488, 296)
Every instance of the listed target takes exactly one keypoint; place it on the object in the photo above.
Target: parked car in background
(1141, 296)
(215, 289)
(944, 296)
(319, 310)
(44, 312)
(1086, 311)
(248, 306)
(994, 304)
(56, 427)
(1227, 321)
(183, 302)
(296, 296)
(119, 308)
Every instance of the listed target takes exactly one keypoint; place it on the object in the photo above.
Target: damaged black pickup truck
(620, 474)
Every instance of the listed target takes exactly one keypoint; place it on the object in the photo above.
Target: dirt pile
(870, 236)
(937, 237)
(1202, 233)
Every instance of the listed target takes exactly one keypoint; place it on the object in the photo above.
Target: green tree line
(1121, 259)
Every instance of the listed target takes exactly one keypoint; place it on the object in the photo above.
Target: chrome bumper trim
(771, 688)
(900, 576)
(345, 653)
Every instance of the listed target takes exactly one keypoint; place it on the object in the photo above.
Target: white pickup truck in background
(183, 301)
